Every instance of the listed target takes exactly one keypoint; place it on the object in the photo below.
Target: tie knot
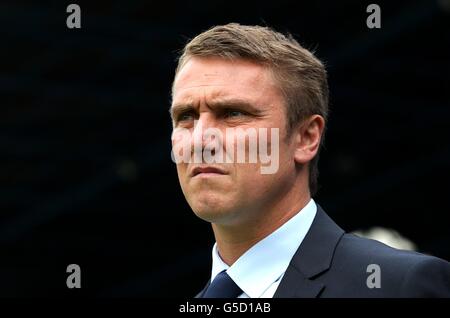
(222, 286)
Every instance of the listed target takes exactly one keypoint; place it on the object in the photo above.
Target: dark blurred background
(85, 169)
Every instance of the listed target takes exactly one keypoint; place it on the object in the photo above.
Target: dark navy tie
(222, 287)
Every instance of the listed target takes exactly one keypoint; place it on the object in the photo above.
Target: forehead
(218, 77)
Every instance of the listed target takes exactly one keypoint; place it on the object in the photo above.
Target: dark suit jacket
(332, 263)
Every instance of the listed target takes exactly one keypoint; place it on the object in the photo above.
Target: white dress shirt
(259, 270)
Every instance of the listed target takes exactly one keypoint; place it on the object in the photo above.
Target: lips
(207, 169)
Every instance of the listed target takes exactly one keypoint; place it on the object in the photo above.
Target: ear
(307, 138)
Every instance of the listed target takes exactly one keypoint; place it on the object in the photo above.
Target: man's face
(226, 95)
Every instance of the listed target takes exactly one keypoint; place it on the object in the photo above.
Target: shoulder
(402, 273)
(358, 248)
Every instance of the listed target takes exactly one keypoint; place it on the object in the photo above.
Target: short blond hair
(300, 76)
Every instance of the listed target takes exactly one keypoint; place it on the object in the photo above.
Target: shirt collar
(274, 252)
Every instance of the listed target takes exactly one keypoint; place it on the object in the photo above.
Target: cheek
(248, 177)
(181, 146)
(182, 173)
(252, 187)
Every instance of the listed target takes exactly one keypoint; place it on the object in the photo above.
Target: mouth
(206, 171)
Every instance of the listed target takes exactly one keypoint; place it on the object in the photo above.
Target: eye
(186, 116)
(232, 113)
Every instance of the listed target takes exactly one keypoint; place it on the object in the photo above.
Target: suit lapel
(295, 285)
(311, 259)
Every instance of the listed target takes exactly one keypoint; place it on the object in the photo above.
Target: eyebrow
(179, 109)
(219, 104)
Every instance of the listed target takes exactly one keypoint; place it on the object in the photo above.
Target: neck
(235, 239)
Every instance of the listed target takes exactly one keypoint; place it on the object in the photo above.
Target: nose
(204, 128)
(204, 123)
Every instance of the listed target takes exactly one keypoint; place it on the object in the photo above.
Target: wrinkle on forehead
(210, 78)
(200, 85)
(201, 69)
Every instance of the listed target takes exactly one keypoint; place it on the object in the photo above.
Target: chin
(213, 209)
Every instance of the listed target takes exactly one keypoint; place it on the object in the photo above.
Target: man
(272, 239)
